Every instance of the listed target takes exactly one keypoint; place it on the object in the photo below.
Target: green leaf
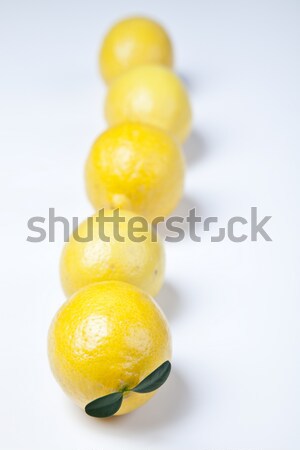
(155, 379)
(105, 406)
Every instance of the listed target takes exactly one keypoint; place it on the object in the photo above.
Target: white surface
(233, 308)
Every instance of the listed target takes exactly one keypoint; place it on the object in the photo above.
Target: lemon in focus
(136, 167)
(150, 94)
(113, 251)
(131, 42)
(107, 337)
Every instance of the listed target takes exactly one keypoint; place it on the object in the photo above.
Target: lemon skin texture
(150, 94)
(106, 337)
(132, 42)
(136, 167)
(139, 263)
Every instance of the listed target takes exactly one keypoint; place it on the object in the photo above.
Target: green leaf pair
(109, 404)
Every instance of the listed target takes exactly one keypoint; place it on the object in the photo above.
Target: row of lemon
(109, 344)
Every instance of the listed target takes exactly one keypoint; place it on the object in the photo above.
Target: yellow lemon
(107, 246)
(107, 337)
(153, 95)
(131, 42)
(136, 167)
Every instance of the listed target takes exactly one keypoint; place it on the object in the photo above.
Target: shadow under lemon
(185, 205)
(172, 403)
(169, 301)
(194, 149)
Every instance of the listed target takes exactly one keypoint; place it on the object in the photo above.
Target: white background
(233, 308)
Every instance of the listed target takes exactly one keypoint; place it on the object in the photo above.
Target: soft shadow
(188, 81)
(169, 300)
(194, 148)
(185, 205)
(182, 211)
(172, 403)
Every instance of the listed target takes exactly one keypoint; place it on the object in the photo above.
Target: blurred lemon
(131, 42)
(153, 95)
(107, 337)
(136, 167)
(138, 259)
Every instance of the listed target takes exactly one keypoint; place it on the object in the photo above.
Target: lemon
(131, 42)
(138, 259)
(136, 167)
(107, 337)
(150, 94)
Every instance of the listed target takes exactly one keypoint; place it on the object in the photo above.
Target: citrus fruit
(136, 167)
(150, 94)
(107, 338)
(131, 42)
(113, 251)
